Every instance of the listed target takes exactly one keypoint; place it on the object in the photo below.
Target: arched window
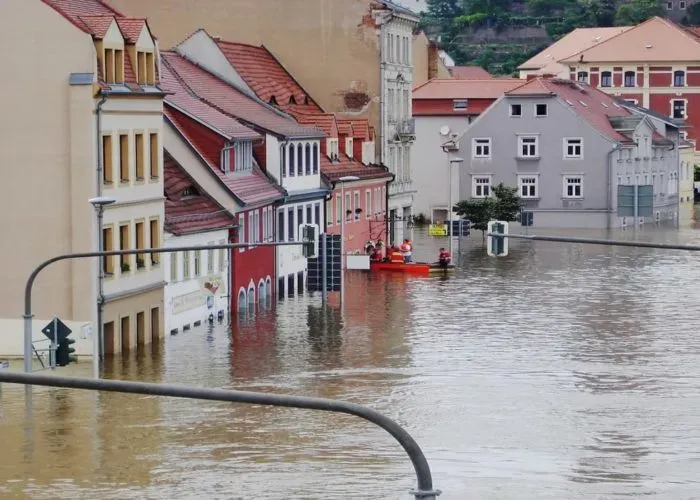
(630, 79)
(242, 301)
(315, 158)
(284, 162)
(291, 160)
(307, 158)
(268, 288)
(251, 298)
(300, 165)
(261, 293)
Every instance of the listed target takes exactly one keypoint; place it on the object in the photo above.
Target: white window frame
(610, 74)
(522, 141)
(624, 78)
(569, 180)
(685, 108)
(669, 5)
(241, 231)
(332, 147)
(460, 104)
(546, 109)
(478, 185)
(573, 142)
(356, 202)
(478, 146)
(243, 155)
(682, 5)
(368, 203)
(348, 147)
(522, 178)
(510, 110)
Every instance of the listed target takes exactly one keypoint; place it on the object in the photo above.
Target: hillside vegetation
(499, 35)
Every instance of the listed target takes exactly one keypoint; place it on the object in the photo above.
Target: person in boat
(444, 258)
(369, 248)
(376, 255)
(395, 255)
(407, 251)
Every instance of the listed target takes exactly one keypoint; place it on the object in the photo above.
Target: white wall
(185, 300)
(12, 336)
(272, 156)
(299, 182)
(429, 162)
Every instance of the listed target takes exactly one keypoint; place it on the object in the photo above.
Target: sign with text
(212, 285)
(187, 301)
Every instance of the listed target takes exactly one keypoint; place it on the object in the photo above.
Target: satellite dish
(444, 131)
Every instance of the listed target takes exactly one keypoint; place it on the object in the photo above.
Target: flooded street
(559, 372)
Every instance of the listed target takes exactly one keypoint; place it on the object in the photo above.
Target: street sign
(62, 331)
(461, 228)
(437, 230)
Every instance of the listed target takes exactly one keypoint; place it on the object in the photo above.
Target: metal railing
(597, 241)
(424, 490)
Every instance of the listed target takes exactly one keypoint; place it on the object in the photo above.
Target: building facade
(569, 148)
(198, 281)
(101, 115)
(443, 110)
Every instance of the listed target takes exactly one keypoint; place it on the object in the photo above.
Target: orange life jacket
(396, 257)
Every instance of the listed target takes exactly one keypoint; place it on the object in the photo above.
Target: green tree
(444, 9)
(692, 16)
(636, 11)
(504, 205)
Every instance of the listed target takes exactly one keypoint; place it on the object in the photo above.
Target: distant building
(451, 103)
(198, 281)
(470, 73)
(82, 118)
(569, 148)
(655, 64)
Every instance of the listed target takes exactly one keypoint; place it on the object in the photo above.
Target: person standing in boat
(395, 255)
(444, 258)
(407, 251)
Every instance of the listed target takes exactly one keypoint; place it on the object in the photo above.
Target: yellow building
(82, 118)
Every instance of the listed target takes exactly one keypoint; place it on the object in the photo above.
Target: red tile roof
(233, 102)
(465, 89)
(345, 127)
(250, 188)
(591, 104)
(181, 99)
(470, 72)
(193, 213)
(263, 73)
(346, 166)
(95, 17)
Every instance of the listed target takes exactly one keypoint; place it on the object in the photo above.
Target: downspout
(675, 147)
(283, 166)
(382, 86)
(100, 229)
(386, 208)
(98, 139)
(617, 147)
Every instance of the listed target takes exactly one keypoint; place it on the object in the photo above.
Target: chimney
(433, 59)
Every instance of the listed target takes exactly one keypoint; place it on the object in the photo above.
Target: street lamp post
(453, 161)
(343, 180)
(98, 340)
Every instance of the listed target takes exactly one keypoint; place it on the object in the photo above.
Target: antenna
(444, 131)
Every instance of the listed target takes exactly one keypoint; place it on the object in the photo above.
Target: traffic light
(497, 246)
(64, 352)
(309, 236)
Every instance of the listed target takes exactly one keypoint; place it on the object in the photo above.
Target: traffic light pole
(28, 315)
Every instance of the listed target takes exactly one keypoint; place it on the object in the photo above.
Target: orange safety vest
(396, 257)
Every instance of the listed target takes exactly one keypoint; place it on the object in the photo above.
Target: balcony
(406, 129)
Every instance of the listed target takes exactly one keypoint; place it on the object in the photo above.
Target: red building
(348, 149)
(216, 151)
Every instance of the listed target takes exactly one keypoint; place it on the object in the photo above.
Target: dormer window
(113, 65)
(348, 147)
(227, 159)
(146, 68)
(190, 192)
(332, 149)
(292, 100)
(244, 156)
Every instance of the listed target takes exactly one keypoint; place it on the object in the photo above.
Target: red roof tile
(250, 188)
(263, 73)
(332, 171)
(131, 28)
(361, 129)
(233, 102)
(449, 88)
(74, 9)
(97, 25)
(344, 127)
(591, 104)
(180, 98)
(189, 212)
(470, 72)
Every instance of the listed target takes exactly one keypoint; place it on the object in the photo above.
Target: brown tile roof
(263, 73)
(344, 127)
(180, 98)
(654, 40)
(591, 104)
(193, 213)
(580, 39)
(97, 25)
(73, 10)
(322, 121)
(470, 72)
(131, 28)
(233, 102)
(250, 188)
(361, 129)
(332, 171)
(465, 89)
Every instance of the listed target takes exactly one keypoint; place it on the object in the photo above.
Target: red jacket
(445, 255)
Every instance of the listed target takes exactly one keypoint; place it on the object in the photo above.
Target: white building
(198, 281)
(397, 129)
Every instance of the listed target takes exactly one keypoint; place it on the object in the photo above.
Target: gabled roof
(233, 102)
(591, 104)
(265, 75)
(73, 10)
(674, 122)
(252, 187)
(191, 212)
(182, 100)
(131, 28)
(655, 40)
(579, 39)
(448, 88)
(470, 72)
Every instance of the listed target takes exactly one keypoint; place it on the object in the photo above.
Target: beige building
(357, 58)
(82, 118)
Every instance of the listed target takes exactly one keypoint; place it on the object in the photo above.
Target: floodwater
(559, 372)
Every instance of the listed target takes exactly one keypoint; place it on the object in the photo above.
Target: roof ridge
(105, 4)
(229, 42)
